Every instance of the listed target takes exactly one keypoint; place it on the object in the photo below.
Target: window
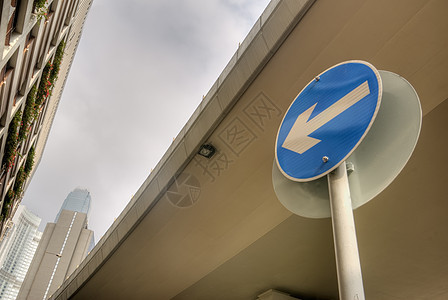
(13, 21)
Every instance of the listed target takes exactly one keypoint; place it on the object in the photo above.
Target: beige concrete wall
(35, 263)
(63, 246)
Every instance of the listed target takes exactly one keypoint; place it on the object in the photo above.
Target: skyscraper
(17, 251)
(64, 244)
(77, 200)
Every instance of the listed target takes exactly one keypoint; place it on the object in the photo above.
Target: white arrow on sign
(298, 139)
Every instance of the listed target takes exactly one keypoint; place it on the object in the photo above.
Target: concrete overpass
(203, 228)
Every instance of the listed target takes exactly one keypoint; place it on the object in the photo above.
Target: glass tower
(78, 200)
(17, 250)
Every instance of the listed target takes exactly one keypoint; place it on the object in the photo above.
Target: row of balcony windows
(31, 61)
(68, 11)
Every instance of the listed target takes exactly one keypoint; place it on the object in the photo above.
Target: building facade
(64, 244)
(38, 43)
(17, 250)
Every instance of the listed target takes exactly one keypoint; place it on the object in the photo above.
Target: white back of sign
(377, 161)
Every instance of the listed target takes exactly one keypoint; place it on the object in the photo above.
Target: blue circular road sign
(328, 120)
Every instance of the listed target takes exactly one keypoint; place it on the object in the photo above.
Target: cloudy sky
(139, 73)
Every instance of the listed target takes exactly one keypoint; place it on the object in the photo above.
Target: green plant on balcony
(21, 176)
(20, 180)
(49, 76)
(40, 10)
(57, 62)
(28, 114)
(9, 198)
(39, 4)
(12, 141)
(5, 210)
(44, 85)
(29, 161)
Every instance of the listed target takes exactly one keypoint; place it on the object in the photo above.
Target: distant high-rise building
(77, 200)
(17, 251)
(64, 244)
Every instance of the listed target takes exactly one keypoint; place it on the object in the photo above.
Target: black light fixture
(57, 254)
(207, 150)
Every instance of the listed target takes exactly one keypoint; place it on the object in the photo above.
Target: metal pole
(346, 247)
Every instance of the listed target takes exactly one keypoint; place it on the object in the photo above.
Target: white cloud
(139, 73)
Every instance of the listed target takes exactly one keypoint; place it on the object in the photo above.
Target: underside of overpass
(203, 228)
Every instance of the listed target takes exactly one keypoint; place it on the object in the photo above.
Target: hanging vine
(9, 197)
(12, 141)
(28, 113)
(44, 85)
(20, 180)
(29, 161)
(49, 76)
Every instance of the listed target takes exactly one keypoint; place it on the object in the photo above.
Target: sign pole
(346, 247)
(323, 126)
